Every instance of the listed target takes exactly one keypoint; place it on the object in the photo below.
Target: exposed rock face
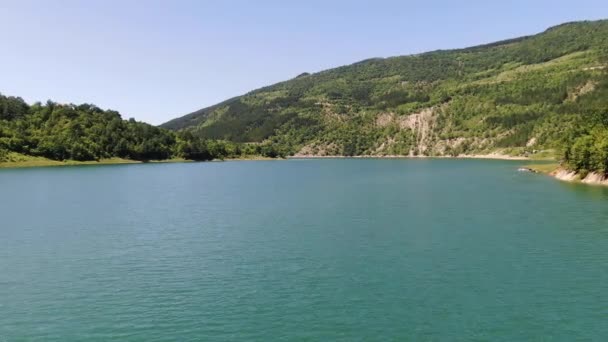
(566, 175)
(319, 150)
(595, 178)
(385, 119)
(582, 90)
(571, 176)
(421, 123)
(531, 142)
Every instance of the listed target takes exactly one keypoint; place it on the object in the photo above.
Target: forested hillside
(543, 92)
(86, 133)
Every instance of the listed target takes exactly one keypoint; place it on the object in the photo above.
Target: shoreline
(494, 156)
(43, 162)
(33, 162)
(564, 175)
(592, 178)
(553, 170)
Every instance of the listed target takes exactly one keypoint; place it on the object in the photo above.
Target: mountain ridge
(537, 92)
(170, 124)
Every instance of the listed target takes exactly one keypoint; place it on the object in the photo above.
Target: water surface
(345, 249)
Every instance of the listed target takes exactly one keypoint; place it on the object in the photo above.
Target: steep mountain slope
(536, 92)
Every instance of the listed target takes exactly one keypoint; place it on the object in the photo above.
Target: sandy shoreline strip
(467, 156)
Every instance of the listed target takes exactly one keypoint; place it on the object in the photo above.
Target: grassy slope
(545, 168)
(21, 160)
(514, 96)
(16, 160)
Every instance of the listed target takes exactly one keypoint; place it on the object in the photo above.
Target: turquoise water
(351, 249)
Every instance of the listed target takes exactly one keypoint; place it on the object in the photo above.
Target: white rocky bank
(571, 176)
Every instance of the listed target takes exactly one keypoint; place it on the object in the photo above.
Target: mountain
(531, 93)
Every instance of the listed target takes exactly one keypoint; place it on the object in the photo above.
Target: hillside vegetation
(39, 134)
(543, 92)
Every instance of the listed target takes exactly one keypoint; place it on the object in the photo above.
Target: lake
(337, 249)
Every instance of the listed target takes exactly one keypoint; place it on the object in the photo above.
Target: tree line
(85, 133)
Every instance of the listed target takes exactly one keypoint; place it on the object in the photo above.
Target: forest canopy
(86, 132)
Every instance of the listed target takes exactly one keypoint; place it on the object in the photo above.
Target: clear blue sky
(155, 60)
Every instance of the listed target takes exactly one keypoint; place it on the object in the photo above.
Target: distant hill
(530, 93)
